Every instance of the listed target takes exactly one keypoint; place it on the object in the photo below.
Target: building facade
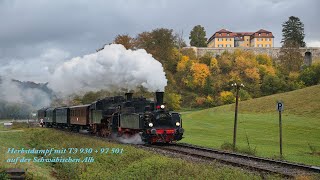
(225, 39)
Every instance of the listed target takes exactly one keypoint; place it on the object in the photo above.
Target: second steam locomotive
(121, 116)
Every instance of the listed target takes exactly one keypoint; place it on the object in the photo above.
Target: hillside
(305, 102)
(258, 126)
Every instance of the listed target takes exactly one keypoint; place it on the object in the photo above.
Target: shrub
(227, 97)
(200, 101)
(311, 75)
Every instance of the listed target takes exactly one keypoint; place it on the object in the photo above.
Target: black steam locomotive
(121, 116)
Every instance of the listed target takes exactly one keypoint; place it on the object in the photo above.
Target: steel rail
(308, 168)
(284, 168)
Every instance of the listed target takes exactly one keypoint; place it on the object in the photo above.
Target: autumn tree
(198, 37)
(182, 64)
(189, 52)
(206, 58)
(173, 100)
(125, 40)
(293, 31)
(200, 73)
(160, 43)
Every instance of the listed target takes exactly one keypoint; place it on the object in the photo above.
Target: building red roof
(223, 33)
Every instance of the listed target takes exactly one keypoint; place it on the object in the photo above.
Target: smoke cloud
(112, 68)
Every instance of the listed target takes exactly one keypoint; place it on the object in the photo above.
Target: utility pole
(237, 87)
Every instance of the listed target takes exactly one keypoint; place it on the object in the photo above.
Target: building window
(259, 45)
(219, 34)
(259, 34)
(226, 39)
(228, 34)
(267, 34)
(230, 39)
(267, 45)
(220, 45)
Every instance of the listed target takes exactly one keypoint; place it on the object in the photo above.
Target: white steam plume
(112, 68)
(134, 139)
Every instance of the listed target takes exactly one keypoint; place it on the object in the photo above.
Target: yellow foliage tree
(227, 97)
(264, 59)
(173, 100)
(252, 74)
(182, 64)
(199, 73)
(267, 70)
(214, 67)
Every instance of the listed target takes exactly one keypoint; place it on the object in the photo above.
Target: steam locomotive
(121, 116)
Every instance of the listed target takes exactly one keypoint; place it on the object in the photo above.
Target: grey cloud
(79, 27)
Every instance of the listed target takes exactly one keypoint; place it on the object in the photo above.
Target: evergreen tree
(198, 37)
(293, 30)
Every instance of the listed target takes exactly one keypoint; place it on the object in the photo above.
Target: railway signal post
(237, 87)
(280, 109)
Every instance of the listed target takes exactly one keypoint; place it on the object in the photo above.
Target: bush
(200, 101)
(272, 85)
(227, 97)
(311, 75)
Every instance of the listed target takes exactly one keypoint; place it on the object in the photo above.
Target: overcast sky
(67, 28)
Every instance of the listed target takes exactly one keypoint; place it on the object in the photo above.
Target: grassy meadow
(133, 163)
(258, 126)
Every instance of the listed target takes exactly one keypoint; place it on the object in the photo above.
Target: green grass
(258, 120)
(132, 164)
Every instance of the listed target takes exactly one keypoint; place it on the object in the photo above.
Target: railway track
(286, 169)
(259, 164)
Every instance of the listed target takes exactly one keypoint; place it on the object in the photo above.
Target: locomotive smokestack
(159, 97)
(128, 96)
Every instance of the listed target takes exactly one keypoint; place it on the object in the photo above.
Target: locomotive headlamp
(150, 124)
(177, 124)
(162, 106)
